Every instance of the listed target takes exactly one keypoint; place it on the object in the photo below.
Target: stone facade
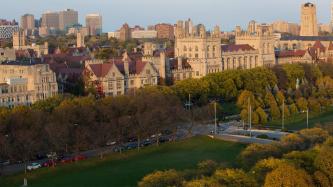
(119, 76)
(24, 84)
(261, 40)
(309, 25)
(201, 49)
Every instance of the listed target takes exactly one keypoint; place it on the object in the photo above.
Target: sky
(225, 13)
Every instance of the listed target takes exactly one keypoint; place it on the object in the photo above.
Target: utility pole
(250, 116)
(282, 115)
(215, 118)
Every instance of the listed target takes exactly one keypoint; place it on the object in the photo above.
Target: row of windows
(15, 99)
(196, 48)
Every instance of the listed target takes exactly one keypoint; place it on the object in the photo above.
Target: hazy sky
(225, 13)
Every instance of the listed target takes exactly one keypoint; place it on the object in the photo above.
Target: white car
(33, 166)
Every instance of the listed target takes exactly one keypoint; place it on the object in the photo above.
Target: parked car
(66, 160)
(4, 162)
(131, 145)
(33, 166)
(110, 143)
(49, 163)
(79, 157)
(146, 142)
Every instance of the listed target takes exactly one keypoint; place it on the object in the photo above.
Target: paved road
(242, 139)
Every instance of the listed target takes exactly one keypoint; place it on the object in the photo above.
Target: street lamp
(307, 117)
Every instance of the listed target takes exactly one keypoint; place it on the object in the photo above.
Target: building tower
(309, 26)
(94, 24)
(80, 40)
(18, 40)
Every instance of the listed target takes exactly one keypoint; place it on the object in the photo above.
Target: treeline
(291, 88)
(83, 123)
(301, 159)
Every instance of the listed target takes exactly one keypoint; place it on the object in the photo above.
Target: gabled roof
(235, 48)
(330, 47)
(319, 45)
(101, 70)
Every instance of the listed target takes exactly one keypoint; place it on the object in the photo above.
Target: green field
(128, 168)
(299, 122)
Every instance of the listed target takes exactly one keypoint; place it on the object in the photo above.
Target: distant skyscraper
(50, 20)
(28, 22)
(125, 33)
(309, 26)
(94, 24)
(68, 18)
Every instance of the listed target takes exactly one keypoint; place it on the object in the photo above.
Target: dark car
(66, 160)
(131, 145)
(146, 142)
(49, 163)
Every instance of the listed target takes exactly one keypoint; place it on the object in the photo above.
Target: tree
(204, 182)
(287, 175)
(262, 115)
(293, 109)
(293, 142)
(161, 179)
(324, 162)
(246, 98)
(314, 104)
(265, 166)
(314, 136)
(271, 102)
(234, 178)
(286, 110)
(302, 104)
(280, 98)
(255, 152)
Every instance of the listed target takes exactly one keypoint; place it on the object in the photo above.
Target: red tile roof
(101, 70)
(235, 48)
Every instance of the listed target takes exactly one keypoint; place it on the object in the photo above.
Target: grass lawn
(299, 122)
(128, 168)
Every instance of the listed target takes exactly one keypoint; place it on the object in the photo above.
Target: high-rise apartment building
(165, 31)
(124, 33)
(309, 26)
(28, 22)
(68, 18)
(50, 20)
(94, 24)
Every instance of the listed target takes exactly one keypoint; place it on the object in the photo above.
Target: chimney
(180, 63)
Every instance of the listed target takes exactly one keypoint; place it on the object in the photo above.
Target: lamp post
(250, 115)
(282, 115)
(307, 117)
(215, 124)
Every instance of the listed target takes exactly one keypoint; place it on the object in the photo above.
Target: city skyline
(209, 12)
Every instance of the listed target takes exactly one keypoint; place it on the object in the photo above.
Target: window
(132, 82)
(196, 55)
(118, 85)
(110, 85)
(147, 71)
(185, 49)
(197, 73)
